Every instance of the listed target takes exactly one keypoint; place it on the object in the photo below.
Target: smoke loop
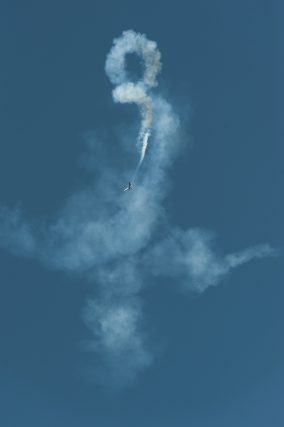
(132, 42)
(129, 92)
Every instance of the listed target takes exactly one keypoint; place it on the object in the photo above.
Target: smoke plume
(113, 239)
(136, 93)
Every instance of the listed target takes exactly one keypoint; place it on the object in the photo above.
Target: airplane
(129, 187)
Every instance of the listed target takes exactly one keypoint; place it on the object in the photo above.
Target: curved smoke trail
(137, 93)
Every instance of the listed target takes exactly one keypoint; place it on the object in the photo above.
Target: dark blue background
(223, 360)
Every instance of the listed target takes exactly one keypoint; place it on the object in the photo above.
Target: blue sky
(161, 306)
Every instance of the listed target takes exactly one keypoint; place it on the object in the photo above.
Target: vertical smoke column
(125, 91)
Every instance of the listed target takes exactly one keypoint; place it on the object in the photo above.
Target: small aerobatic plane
(129, 187)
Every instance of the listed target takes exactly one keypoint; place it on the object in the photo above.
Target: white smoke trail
(132, 42)
(120, 244)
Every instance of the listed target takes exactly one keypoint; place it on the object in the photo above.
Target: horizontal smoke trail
(129, 92)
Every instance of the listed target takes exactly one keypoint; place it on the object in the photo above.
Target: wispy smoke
(115, 320)
(109, 237)
(189, 256)
(131, 42)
